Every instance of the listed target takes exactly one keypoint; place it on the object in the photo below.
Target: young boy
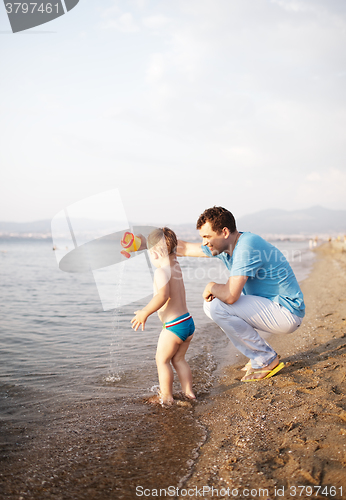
(170, 303)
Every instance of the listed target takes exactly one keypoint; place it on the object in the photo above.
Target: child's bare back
(169, 301)
(176, 304)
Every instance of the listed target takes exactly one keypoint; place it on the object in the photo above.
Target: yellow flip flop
(248, 366)
(270, 373)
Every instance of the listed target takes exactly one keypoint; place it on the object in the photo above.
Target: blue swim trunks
(183, 326)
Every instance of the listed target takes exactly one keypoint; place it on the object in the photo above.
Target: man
(262, 292)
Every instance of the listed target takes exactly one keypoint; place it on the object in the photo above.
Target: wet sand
(281, 433)
(286, 435)
(98, 448)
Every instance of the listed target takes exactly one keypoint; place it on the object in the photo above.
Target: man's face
(217, 243)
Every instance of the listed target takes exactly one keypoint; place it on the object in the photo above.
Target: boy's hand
(140, 319)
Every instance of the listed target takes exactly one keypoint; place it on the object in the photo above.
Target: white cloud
(155, 22)
(243, 157)
(313, 177)
(326, 188)
(227, 94)
(291, 5)
(155, 70)
(124, 23)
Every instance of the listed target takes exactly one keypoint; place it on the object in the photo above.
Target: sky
(180, 105)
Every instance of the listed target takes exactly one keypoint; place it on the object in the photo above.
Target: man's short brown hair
(218, 217)
(163, 234)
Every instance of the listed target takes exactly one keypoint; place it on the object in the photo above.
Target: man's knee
(211, 309)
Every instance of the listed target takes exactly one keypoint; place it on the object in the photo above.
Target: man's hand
(140, 319)
(207, 295)
(228, 292)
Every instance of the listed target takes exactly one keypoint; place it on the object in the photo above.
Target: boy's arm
(161, 297)
(186, 249)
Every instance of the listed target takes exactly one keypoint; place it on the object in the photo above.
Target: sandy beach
(284, 437)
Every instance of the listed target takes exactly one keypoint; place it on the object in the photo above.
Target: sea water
(56, 337)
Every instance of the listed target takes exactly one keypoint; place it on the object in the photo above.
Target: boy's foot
(190, 396)
(166, 400)
(157, 400)
(186, 395)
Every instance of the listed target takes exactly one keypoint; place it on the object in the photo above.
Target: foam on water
(112, 378)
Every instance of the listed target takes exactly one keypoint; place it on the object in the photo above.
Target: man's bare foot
(247, 366)
(259, 373)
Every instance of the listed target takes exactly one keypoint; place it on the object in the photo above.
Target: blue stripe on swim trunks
(183, 326)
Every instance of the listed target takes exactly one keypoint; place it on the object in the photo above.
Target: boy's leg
(167, 346)
(182, 368)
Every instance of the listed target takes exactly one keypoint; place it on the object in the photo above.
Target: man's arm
(186, 249)
(228, 293)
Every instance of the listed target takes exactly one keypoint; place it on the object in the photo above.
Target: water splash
(112, 378)
(117, 337)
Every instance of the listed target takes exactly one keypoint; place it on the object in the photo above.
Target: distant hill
(39, 226)
(270, 223)
(309, 222)
(314, 220)
(44, 226)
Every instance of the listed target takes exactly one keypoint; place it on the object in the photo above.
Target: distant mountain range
(309, 222)
(314, 220)
(39, 226)
(44, 226)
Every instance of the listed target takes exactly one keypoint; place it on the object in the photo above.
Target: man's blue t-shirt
(269, 273)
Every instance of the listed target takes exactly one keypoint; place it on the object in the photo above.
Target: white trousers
(241, 320)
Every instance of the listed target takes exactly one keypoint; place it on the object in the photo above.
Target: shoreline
(285, 431)
(289, 431)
